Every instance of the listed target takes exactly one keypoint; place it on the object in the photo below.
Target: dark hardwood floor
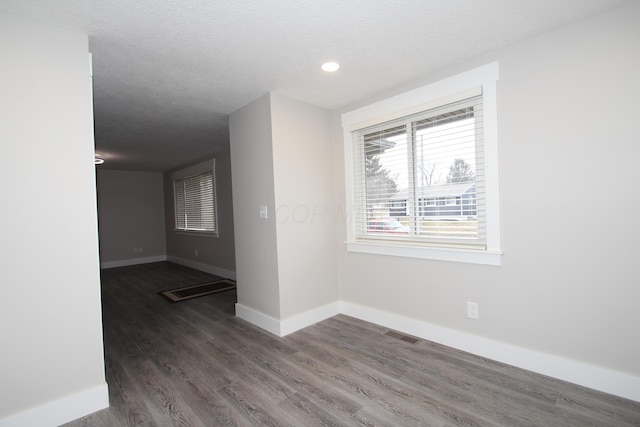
(194, 364)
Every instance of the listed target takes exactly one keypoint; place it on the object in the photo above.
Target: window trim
(482, 79)
(197, 169)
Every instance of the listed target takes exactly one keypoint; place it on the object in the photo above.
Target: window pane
(446, 159)
(385, 157)
(422, 173)
(195, 203)
(180, 206)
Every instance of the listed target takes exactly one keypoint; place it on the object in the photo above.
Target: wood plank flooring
(195, 364)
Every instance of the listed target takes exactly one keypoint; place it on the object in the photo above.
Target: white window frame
(421, 99)
(198, 169)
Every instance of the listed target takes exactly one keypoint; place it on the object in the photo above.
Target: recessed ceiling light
(330, 67)
(98, 160)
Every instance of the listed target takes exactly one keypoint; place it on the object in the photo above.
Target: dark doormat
(200, 290)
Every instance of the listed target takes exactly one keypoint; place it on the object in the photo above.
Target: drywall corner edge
(287, 326)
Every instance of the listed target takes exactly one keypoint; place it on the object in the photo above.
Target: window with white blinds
(195, 201)
(422, 172)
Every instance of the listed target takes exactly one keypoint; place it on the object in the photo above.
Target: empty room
(293, 212)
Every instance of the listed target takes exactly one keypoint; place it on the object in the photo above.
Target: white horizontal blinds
(385, 166)
(426, 171)
(195, 209)
(450, 156)
(181, 214)
(207, 204)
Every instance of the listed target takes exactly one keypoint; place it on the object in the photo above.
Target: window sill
(469, 256)
(197, 233)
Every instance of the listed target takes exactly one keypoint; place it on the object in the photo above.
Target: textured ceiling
(167, 73)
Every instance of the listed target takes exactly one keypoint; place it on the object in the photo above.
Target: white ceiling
(167, 73)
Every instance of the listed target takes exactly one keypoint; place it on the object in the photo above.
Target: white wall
(253, 186)
(562, 303)
(306, 207)
(565, 300)
(52, 366)
(130, 215)
(281, 156)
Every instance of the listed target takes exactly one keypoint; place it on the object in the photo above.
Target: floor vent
(195, 291)
(402, 337)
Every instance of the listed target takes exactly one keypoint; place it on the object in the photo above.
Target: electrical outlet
(195, 252)
(473, 311)
(135, 250)
(139, 250)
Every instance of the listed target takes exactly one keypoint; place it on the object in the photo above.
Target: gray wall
(253, 186)
(135, 211)
(215, 255)
(130, 215)
(282, 158)
(52, 368)
(562, 303)
(567, 120)
(305, 205)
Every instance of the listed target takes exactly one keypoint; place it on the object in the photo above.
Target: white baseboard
(308, 318)
(289, 325)
(261, 320)
(591, 376)
(594, 377)
(61, 411)
(211, 269)
(227, 274)
(132, 261)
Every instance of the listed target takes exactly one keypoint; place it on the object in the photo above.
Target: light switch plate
(262, 212)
